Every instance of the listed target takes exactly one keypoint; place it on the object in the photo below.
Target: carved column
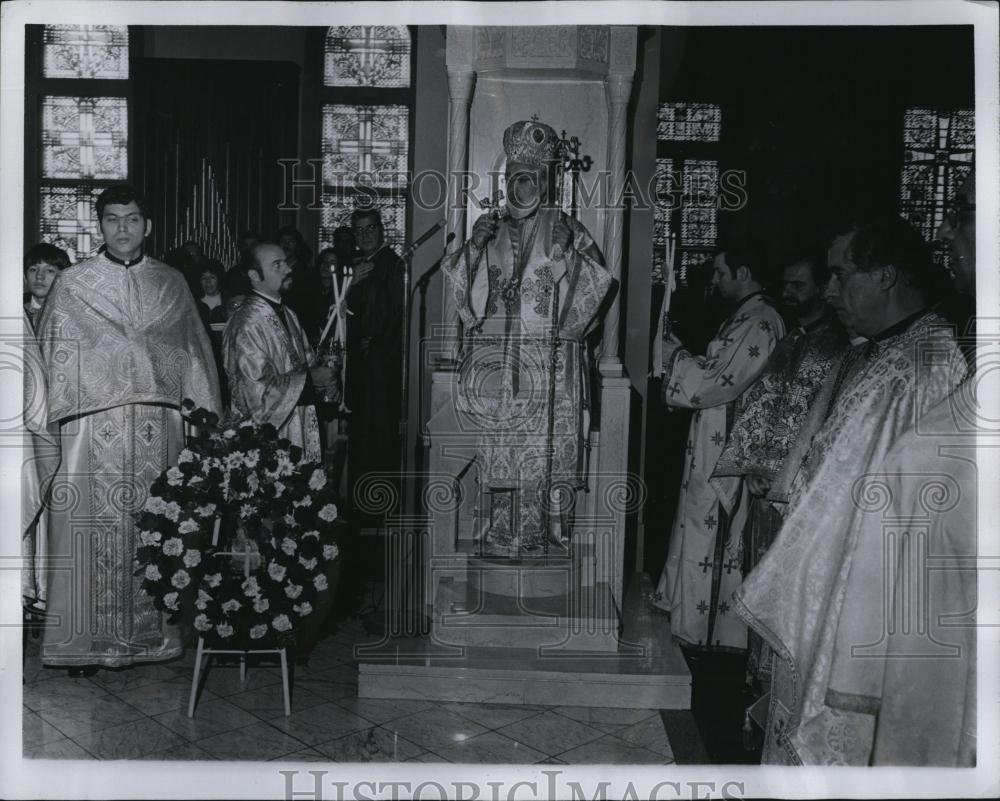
(619, 88)
(461, 84)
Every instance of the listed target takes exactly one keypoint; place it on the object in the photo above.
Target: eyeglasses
(957, 214)
(366, 229)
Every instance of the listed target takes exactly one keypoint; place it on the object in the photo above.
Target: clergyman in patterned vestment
(517, 280)
(123, 347)
(703, 559)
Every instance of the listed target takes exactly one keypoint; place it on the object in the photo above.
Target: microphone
(423, 238)
(425, 279)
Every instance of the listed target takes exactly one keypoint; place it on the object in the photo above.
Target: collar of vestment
(746, 300)
(825, 319)
(899, 327)
(124, 262)
(34, 304)
(274, 304)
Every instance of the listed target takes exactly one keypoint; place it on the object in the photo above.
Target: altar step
(466, 613)
(646, 671)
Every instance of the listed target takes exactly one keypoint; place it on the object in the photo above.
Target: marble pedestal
(645, 671)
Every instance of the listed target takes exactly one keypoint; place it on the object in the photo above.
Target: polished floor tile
(223, 680)
(141, 713)
(382, 710)
(491, 747)
(494, 716)
(86, 716)
(550, 733)
(63, 748)
(129, 740)
(268, 702)
(187, 752)
(36, 731)
(373, 744)
(258, 742)
(61, 691)
(321, 723)
(435, 728)
(610, 750)
(648, 734)
(163, 696)
(608, 719)
(210, 718)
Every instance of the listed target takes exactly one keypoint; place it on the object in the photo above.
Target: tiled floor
(141, 713)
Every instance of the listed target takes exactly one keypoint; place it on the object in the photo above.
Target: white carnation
(232, 605)
(308, 564)
(311, 533)
(205, 511)
(185, 457)
(224, 630)
(293, 591)
(328, 513)
(213, 580)
(181, 579)
(171, 511)
(150, 537)
(303, 608)
(330, 551)
(192, 558)
(250, 587)
(174, 546)
(256, 632)
(276, 571)
(170, 599)
(288, 545)
(319, 582)
(261, 605)
(317, 480)
(281, 623)
(175, 477)
(201, 623)
(153, 573)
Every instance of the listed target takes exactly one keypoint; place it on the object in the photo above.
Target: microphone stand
(409, 616)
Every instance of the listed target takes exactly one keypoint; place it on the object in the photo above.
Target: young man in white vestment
(122, 347)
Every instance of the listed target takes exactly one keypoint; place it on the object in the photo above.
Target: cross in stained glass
(367, 55)
(85, 137)
(86, 51)
(939, 152)
(365, 139)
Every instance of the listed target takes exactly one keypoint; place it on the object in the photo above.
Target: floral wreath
(271, 502)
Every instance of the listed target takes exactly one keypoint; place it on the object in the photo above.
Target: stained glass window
(689, 122)
(337, 208)
(85, 137)
(689, 194)
(365, 139)
(938, 154)
(367, 55)
(86, 51)
(68, 219)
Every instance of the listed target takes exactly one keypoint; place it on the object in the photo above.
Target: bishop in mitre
(527, 285)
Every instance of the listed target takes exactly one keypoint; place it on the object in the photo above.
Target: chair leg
(284, 681)
(196, 678)
(243, 668)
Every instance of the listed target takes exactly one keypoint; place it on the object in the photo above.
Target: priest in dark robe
(122, 347)
(373, 382)
(527, 285)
